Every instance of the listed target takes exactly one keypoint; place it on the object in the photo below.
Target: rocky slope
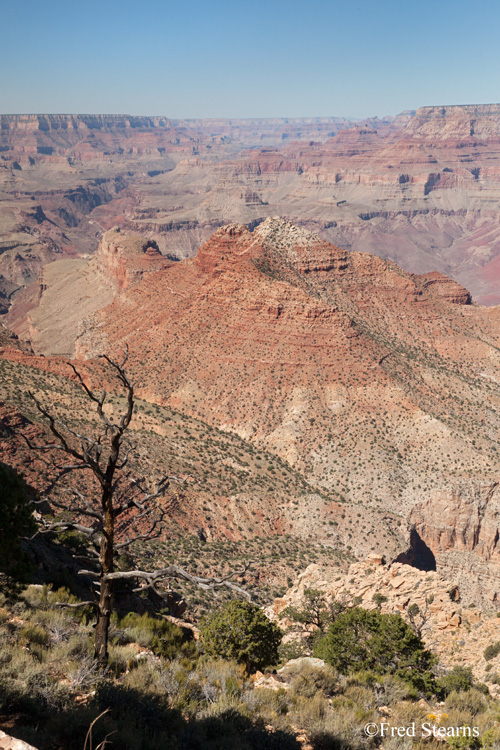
(457, 633)
(460, 527)
(375, 384)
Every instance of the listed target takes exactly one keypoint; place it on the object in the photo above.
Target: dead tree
(106, 457)
(418, 617)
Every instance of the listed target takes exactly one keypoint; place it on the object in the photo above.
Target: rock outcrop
(10, 743)
(124, 258)
(457, 634)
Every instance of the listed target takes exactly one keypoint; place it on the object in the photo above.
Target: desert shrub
(360, 696)
(4, 615)
(159, 635)
(47, 693)
(310, 679)
(80, 644)
(141, 675)
(55, 623)
(227, 677)
(482, 688)
(472, 701)
(491, 738)
(379, 599)
(292, 650)
(273, 703)
(242, 632)
(121, 658)
(393, 690)
(32, 634)
(315, 610)
(464, 743)
(459, 679)
(366, 639)
(343, 727)
(404, 713)
(85, 673)
(492, 650)
(309, 711)
(364, 677)
(42, 599)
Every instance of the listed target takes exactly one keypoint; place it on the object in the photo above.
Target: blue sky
(232, 59)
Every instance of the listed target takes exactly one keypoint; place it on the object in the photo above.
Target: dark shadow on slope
(139, 720)
(418, 555)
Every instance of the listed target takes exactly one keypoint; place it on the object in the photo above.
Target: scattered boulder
(11, 743)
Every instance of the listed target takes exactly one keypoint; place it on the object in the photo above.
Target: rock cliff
(461, 527)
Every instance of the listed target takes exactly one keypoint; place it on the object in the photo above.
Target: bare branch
(52, 425)
(127, 416)
(160, 490)
(91, 573)
(47, 447)
(174, 571)
(68, 525)
(90, 558)
(75, 606)
(148, 535)
(99, 401)
(87, 510)
(84, 457)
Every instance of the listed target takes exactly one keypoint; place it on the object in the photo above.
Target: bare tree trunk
(91, 454)
(106, 586)
(103, 622)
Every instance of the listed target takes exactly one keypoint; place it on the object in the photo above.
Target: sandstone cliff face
(125, 258)
(461, 527)
(54, 123)
(478, 121)
(447, 288)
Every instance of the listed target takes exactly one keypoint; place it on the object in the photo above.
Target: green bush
(361, 639)
(459, 679)
(242, 632)
(159, 635)
(491, 651)
(473, 702)
(34, 634)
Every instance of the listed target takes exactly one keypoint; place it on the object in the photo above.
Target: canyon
(420, 188)
(374, 386)
(321, 292)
